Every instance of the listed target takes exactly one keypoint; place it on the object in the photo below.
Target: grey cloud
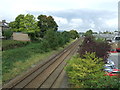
(96, 18)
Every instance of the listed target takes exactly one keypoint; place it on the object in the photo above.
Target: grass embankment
(10, 44)
(18, 60)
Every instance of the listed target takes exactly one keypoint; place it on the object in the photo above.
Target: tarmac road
(116, 58)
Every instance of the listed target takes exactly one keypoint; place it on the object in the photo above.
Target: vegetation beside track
(45, 40)
(11, 44)
(88, 72)
(18, 60)
(85, 70)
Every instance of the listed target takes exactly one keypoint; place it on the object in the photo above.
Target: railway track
(46, 75)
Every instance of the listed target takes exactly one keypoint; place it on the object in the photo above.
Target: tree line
(43, 29)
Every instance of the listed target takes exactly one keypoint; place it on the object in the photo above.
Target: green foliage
(79, 69)
(16, 60)
(56, 39)
(60, 38)
(7, 33)
(26, 24)
(107, 32)
(88, 33)
(15, 25)
(87, 73)
(66, 36)
(10, 44)
(74, 34)
(51, 37)
(29, 24)
(46, 23)
(12, 56)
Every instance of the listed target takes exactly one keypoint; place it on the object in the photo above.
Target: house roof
(3, 24)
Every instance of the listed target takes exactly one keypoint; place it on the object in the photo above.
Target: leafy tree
(46, 23)
(29, 25)
(88, 33)
(15, 25)
(74, 34)
(107, 32)
(7, 33)
(51, 37)
(60, 38)
(26, 24)
(91, 45)
(95, 33)
(66, 36)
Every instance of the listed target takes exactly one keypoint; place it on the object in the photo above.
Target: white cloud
(9, 9)
(75, 23)
(60, 20)
(92, 25)
(112, 22)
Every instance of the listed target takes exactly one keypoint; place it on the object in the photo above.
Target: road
(116, 58)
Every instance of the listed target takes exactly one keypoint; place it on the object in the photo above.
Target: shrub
(51, 37)
(10, 44)
(61, 39)
(87, 73)
(7, 33)
(101, 48)
(66, 36)
(80, 69)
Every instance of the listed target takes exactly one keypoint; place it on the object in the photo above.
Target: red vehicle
(113, 51)
(115, 72)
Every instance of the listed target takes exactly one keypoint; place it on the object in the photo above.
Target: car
(116, 38)
(118, 49)
(109, 61)
(115, 44)
(109, 67)
(113, 51)
(114, 72)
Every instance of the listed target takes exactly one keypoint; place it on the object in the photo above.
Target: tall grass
(15, 61)
(10, 44)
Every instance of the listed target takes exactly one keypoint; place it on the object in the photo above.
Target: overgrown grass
(10, 44)
(15, 61)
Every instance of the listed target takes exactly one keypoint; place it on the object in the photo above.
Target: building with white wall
(3, 26)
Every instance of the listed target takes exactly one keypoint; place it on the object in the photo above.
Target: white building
(3, 26)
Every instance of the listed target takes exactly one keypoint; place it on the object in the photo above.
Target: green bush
(11, 56)
(88, 73)
(7, 33)
(66, 36)
(10, 44)
(79, 69)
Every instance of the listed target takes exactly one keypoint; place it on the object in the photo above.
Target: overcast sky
(82, 15)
